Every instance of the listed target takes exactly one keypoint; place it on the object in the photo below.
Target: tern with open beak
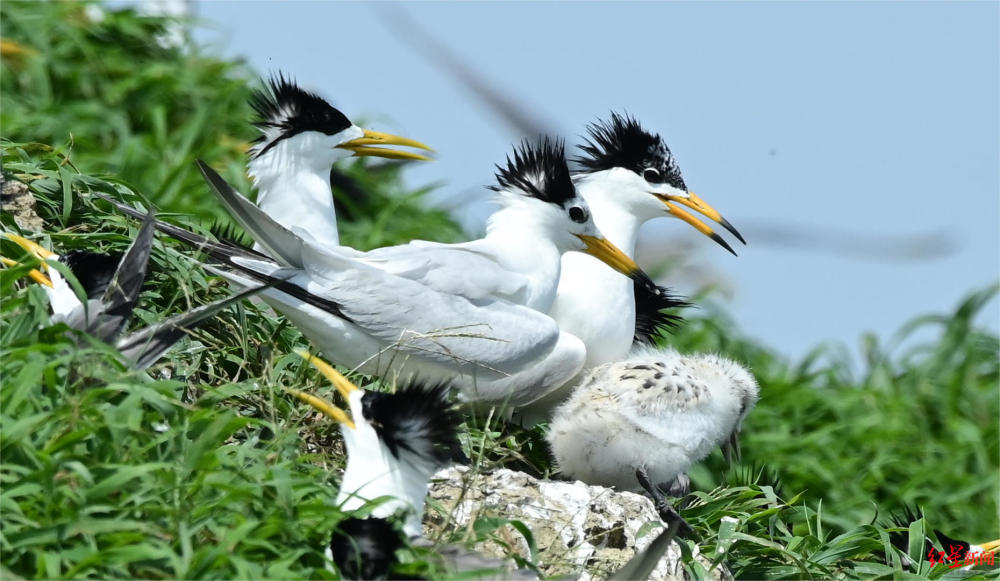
(301, 136)
(111, 284)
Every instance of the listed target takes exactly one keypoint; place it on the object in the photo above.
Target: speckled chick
(658, 410)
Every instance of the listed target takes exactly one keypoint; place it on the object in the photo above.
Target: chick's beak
(369, 145)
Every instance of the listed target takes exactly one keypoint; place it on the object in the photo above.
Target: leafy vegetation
(202, 468)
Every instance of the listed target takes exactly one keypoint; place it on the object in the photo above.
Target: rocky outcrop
(579, 530)
(16, 199)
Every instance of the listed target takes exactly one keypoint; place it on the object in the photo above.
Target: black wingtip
(732, 230)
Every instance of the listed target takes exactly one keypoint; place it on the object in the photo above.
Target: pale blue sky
(860, 122)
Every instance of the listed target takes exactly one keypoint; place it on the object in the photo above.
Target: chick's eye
(651, 175)
(577, 214)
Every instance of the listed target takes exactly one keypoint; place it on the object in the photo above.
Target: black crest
(417, 418)
(947, 543)
(540, 171)
(285, 110)
(94, 270)
(622, 142)
(650, 320)
(365, 548)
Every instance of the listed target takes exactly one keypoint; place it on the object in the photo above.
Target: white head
(302, 129)
(535, 192)
(394, 441)
(635, 168)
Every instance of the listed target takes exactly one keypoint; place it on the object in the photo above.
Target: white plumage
(394, 443)
(301, 136)
(471, 312)
(658, 410)
(629, 177)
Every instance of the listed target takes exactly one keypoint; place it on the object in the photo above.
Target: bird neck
(619, 224)
(593, 302)
(521, 243)
(293, 188)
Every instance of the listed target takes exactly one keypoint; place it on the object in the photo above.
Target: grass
(202, 468)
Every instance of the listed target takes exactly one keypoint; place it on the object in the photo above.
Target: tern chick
(655, 413)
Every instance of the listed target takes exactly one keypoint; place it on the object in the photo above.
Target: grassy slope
(203, 469)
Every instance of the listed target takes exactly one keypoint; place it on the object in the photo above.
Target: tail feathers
(217, 250)
(146, 346)
(280, 242)
(239, 259)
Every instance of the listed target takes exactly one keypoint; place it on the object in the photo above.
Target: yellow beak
(990, 546)
(343, 385)
(611, 255)
(324, 406)
(362, 146)
(697, 204)
(36, 251)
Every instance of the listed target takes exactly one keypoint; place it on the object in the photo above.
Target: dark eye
(651, 175)
(577, 214)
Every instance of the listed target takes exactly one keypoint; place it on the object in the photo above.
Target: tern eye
(578, 214)
(652, 176)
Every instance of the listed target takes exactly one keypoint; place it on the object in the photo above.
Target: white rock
(580, 530)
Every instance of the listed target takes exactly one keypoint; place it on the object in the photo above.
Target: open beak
(611, 255)
(697, 204)
(990, 546)
(342, 384)
(36, 251)
(363, 146)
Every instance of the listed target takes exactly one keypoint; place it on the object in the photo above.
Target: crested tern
(471, 313)
(628, 176)
(394, 441)
(301, 136)
(111, 284)
(959, 550)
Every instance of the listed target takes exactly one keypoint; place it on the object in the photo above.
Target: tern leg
(668, 513)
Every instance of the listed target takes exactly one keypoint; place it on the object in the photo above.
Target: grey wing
(459, 269)
(445, 328)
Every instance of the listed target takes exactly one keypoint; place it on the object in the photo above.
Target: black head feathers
(365, 548)
(418, 419)
(285, 110)
(622, 142)
(94, 270)
(538, 170)
(650, 318)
